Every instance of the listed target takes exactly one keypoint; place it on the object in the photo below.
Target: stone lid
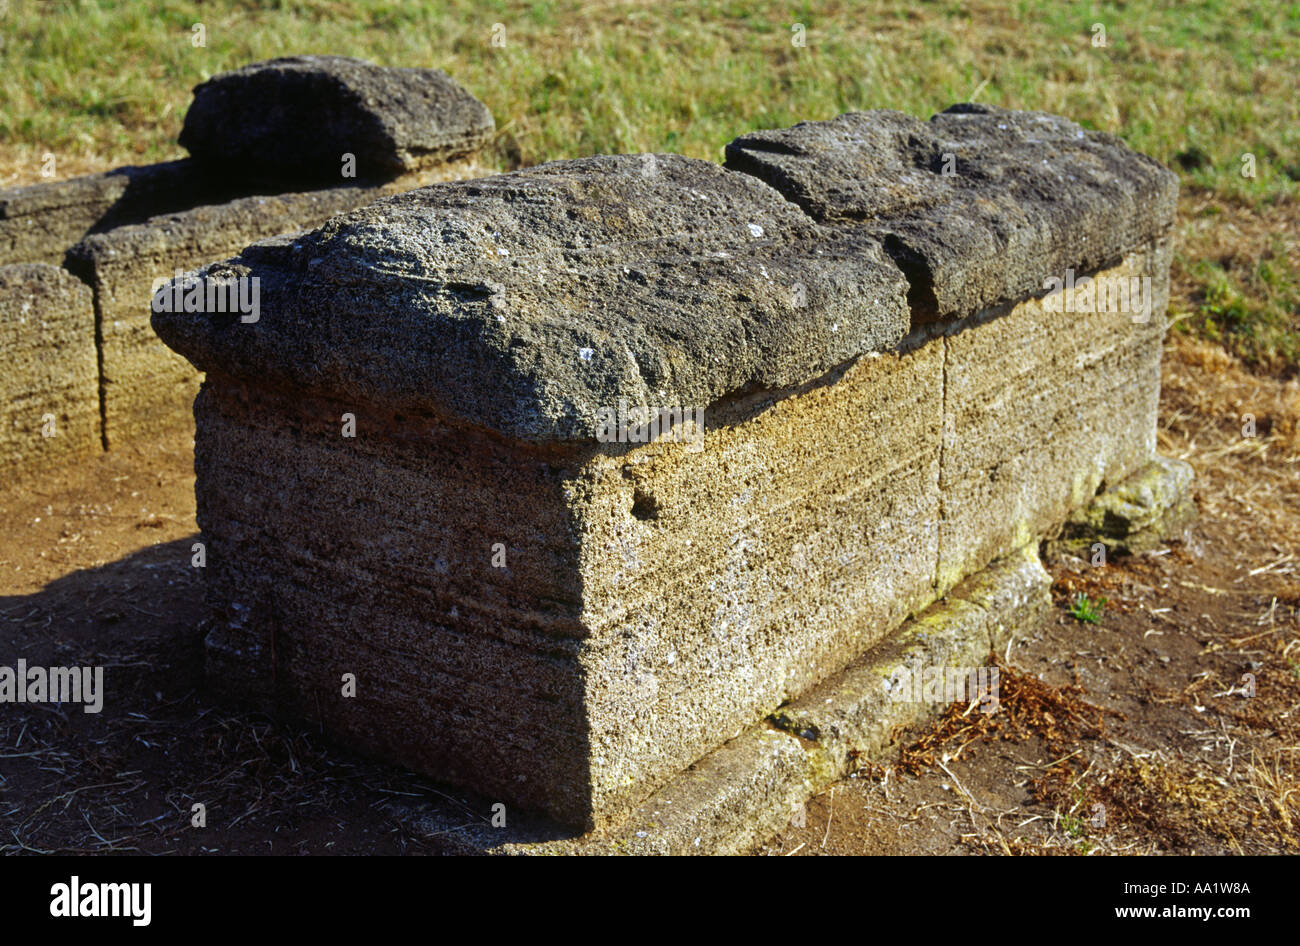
(527, 302)
(22, 283)
(295, 118)
(979, 205)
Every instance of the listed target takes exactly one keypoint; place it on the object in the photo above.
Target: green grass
(1194, 84)
(1086, 610)
(1251, 309)
(1245, 287)
(1211, 79)
(1074, 827)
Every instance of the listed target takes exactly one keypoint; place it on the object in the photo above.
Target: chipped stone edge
(1135, 515)
(744, 792)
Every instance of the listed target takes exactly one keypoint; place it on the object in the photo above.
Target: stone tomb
(402, 474)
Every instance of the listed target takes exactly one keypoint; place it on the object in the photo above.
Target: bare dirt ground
(1133, 735)
(95, 569)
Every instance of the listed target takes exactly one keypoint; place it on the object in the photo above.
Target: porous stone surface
(1135, 515)
(706, 588)
(49, 397)
(295, 118)
(390, 331)
(741, 793)
(860, 459)
(1042, 409)
(528, 301)
(270, 127)
(652, 601)
(983, 208)
(147, 386)
(718, 585)
(373, 556)
(979, 205)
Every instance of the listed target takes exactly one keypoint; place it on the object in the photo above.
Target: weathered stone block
(49, 395)
(1042, 410)
(655, 598)
(978, 205)
(611, 651)
(38, 222)
(270, 127)
(743, 792)
(147, 387)
(1135, 515)
(564, 622)
(294, 119)
(719, 584)
(652, 601)
(1048, 395)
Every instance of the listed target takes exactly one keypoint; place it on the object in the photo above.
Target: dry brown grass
(1250, 482)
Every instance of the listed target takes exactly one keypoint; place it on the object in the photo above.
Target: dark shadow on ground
(127, 779)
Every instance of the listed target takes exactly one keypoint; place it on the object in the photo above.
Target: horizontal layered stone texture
(38, 222)
(49, 403)
(539, 298)
(405, 471)
(300, 115)
(743, 792)
(1045, 250)
(1043, 410)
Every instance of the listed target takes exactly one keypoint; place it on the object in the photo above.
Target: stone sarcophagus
(548, 484)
